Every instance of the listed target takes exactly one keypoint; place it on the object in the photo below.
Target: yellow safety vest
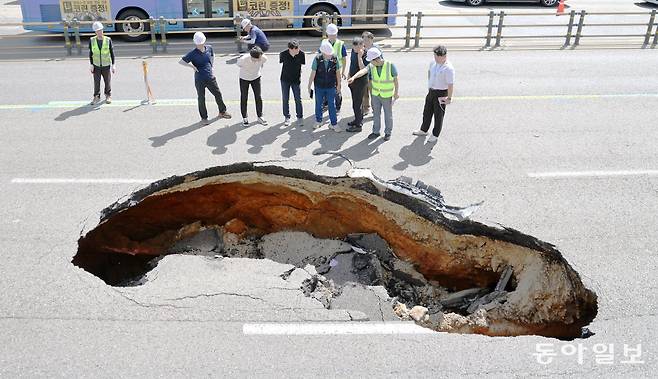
(383, 85)
(101, 58)
(338, 50)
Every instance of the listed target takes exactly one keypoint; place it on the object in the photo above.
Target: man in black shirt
(293, 59)
(359, 86)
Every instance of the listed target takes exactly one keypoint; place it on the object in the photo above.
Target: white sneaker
(300, 121)
(262, 121)
(287, 122)
(336, 128)
(419, 133)
(317, 125)
(245, 122)
(432, 139)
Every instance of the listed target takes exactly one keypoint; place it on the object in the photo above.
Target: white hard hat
(244, 23)
(97, 26)
(372, 54)
(326, 48)
(199, 38)
(332, 29)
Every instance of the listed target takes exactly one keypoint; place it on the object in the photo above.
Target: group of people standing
(372, 80)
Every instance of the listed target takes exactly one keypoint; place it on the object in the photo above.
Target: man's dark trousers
(212, 86)
(434, 109)
(358, 88)
(107, 78)
(296, 92)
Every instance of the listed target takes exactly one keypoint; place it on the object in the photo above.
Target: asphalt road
(514, 137)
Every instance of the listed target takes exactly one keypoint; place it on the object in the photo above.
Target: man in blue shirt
(200, 60)
(255, 36)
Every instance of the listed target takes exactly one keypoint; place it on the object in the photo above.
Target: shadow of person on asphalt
(417, 154)
(300, 137)
(224, 137)
(266, 137)
(363, 150)
(78, 111)
(159, 141)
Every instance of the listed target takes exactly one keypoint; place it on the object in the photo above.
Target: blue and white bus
(99, 10)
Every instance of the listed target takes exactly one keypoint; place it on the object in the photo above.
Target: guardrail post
(163, 33)
(325, 22)
(407, 35)
(154, 40)
(67, 37)
(419, 19)
(579, 31)
(76, 30)
(652, 19)
(572, 17)
(499, 31)
(238, 33)
(489, 28)
(655, 39)
(334, 18)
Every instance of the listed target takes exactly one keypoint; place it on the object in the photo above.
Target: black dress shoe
(373, 135)
(354, 129)
(351, 123)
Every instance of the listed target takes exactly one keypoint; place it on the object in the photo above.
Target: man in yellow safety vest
(101, 59)
(340, 52)
(384, 91)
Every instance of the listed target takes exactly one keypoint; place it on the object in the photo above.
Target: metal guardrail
(494, 24)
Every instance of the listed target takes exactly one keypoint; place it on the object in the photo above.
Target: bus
(103, 10)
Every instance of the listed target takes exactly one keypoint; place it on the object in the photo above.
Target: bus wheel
(133, 27)
(318, 12)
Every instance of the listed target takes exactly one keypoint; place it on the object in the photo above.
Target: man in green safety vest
(384, 91)
(101, 58)
(340, 52)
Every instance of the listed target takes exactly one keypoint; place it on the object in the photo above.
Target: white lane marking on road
(333, 328)
(80, 181)
(585, 174)
(193, 102)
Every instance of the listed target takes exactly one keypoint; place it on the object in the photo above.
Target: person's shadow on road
(159, 141)
(78, 111)
(224, 137)
(361, 151)
(417, 154)
(266, 137)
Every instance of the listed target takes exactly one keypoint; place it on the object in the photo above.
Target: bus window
(208, 9)
(369, 7)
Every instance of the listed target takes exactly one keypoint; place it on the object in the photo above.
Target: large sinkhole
(439, 268)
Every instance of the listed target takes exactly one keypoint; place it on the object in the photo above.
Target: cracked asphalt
(515, 114)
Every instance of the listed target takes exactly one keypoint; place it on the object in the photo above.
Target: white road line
(80, 181)
(585, 174)
(333, 328)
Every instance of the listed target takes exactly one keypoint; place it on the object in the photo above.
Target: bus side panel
(392, 9)
(302, 6)
(41, 11)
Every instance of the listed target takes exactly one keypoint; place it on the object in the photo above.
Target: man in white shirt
(441, 78)
(250, 71)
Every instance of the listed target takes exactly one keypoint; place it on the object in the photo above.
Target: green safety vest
(338, 50)
(101, 56)
(383, 85)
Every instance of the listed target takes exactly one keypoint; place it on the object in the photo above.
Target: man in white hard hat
(255, 36)
(201, 60)
(325, 77)
(339, 50)
(384, 90)
(101, 60)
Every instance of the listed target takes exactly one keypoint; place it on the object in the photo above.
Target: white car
(546, 3)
